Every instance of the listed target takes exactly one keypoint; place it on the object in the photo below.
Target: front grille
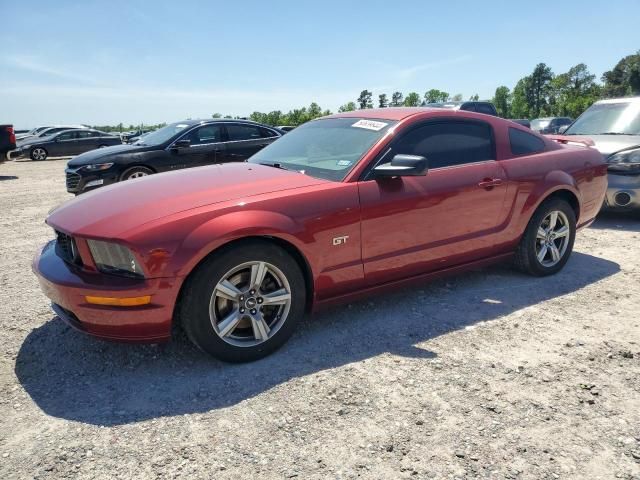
(73, 179)
(66, 248)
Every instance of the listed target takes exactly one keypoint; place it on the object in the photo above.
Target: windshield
(539, 124)
(326, 149)
(162, 135)
(620, 118)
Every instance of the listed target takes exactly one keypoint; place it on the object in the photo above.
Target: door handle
(489, 183)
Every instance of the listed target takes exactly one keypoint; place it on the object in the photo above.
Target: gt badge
(340, 240)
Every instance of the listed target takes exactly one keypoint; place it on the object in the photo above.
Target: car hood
(94, 156)
(111, 211)
(608, 144)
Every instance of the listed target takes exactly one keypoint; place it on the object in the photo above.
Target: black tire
(38, 154)
(135, 172)
(195, 300)
(526, 258)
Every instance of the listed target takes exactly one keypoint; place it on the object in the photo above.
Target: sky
(162, 61)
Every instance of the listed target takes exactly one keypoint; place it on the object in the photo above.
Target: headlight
(97, 167)
(626, 161)
(113, 258)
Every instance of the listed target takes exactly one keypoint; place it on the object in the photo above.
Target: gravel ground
(490, 374)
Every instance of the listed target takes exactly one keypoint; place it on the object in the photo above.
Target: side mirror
(183, 143)
(403, 166)
(563, 129)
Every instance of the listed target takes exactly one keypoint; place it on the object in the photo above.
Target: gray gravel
(490, 374)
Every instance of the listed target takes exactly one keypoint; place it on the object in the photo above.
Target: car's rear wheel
(243, 302)
(548, 240)
(135, 172)
(38, 154)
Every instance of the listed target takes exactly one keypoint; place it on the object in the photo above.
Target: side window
(238, 131)
(485, 108)
(523, 143)
(205, 134)
(84, 134)
(469, 107)
(267, 133)
(67, 136)
(449, 143)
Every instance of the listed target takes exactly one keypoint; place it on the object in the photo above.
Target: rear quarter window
(523, 143)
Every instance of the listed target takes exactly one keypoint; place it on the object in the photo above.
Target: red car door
(413, 225)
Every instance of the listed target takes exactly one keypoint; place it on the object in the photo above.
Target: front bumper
(78, 181)
(623, 192)
(67, 285)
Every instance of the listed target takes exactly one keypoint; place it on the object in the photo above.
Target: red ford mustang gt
(345, 205)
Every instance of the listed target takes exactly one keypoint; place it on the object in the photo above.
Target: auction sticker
(370, 125)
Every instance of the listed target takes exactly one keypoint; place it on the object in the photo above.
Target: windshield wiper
(278, 165)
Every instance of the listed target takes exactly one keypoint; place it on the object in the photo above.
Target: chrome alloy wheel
(250, 304)
(39, 154)
(552, 238)
(137, 174)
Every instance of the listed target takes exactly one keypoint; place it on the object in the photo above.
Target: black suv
(191, 143)
(471, 106)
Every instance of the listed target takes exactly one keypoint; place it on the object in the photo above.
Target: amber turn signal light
(119, 302)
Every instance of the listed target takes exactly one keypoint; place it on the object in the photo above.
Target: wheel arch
(126, 168)
(283, 243)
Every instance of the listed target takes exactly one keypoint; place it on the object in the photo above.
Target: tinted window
(67, 136)
(469, 107)
(564, 121)
(86, 134)
(204, 134)
(267, 133)
(484, 108)
(450, 143)
(523, 143)
(243, 132)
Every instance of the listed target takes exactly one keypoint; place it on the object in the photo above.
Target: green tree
(502, 101)
(412, 100)
(383, 102)
(539, 89)
(624, 78)
(314, 111)
(347, 107)
(396, 99)
(434, 95)
(457, 97)
(364, 100)
(519, 102)
(474, 98)
(216, 115)
(573, 92)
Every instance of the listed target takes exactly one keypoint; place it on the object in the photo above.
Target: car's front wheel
(135, 172)
(548, 240)
(243, 302)
(38, 154)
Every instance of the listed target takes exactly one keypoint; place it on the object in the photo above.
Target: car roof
(203, 121)
(620, 100)
(391, 113)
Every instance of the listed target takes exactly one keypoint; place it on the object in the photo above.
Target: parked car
(550, 124)
(614, 127)
(191, 143)
(349, 204)
(522, 121)
(133, 136)
(7, 141)
(487, 108)
(65, 143)
(286, 128)
(46, 131)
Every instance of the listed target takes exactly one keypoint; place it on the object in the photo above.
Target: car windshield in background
(326, 149)
(162, 135)
(620, 118)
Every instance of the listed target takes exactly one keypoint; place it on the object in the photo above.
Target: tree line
(541, 93)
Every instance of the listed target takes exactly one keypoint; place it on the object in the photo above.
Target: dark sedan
(65, 144)
(191, 143)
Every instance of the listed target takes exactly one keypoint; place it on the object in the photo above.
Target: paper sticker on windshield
(369, 125)
(344, 163)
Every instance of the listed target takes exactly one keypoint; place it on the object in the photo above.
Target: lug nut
(260, 300)
(252, 292)
(253, 311)
(241, 298)
(242, 310)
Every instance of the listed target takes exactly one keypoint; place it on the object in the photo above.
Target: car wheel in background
(135, 172)
(548, 240)
(38, 154)
(244, 301)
